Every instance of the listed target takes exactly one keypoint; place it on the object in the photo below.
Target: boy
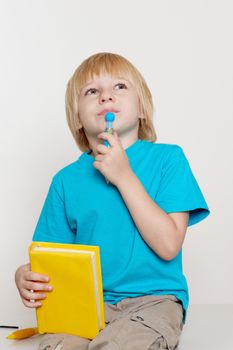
(139, 219)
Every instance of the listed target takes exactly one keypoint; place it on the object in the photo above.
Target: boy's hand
(112, 161)
(32, 286)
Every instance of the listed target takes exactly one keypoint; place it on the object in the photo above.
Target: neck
(126, 141)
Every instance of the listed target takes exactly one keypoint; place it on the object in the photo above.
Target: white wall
(184, 50)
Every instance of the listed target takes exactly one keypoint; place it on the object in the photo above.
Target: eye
(121, 86)
(90, 91)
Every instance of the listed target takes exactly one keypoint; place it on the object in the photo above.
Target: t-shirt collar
(87, 158)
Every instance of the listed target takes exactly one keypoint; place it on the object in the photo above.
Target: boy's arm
(163, 232)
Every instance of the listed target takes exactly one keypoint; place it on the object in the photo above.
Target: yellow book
(75, 305)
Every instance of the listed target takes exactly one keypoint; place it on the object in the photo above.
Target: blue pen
(109, 118)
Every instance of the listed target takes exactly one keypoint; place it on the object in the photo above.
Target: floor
(208, 327)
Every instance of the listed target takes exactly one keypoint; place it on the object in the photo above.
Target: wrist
(126, 179)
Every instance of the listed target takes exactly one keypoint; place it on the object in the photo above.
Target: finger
(31, 295)
(33, 276)
(32, 304)
(102, 149)
(97, 165)
(99, 157)
(109, 137)
(37, 286)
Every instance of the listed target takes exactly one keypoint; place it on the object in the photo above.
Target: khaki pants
(142, 323)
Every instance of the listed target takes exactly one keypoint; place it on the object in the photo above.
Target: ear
(78, 124)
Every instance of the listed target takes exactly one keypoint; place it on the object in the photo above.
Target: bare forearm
(153, 223)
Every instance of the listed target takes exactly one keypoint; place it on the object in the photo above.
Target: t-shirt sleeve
(53, 225)
(178, 189)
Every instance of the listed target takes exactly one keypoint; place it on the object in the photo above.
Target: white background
(183, 49)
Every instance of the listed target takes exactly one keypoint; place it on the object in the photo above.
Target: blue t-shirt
(81, 207)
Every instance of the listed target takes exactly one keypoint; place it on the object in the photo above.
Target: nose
(106, 97)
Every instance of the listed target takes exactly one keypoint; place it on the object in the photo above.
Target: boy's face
(104, 94)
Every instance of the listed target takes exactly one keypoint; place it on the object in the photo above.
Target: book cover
(75, 305)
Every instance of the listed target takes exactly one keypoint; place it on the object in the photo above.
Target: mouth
(104, 111)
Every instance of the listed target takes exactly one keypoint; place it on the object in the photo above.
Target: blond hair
(115, 65)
